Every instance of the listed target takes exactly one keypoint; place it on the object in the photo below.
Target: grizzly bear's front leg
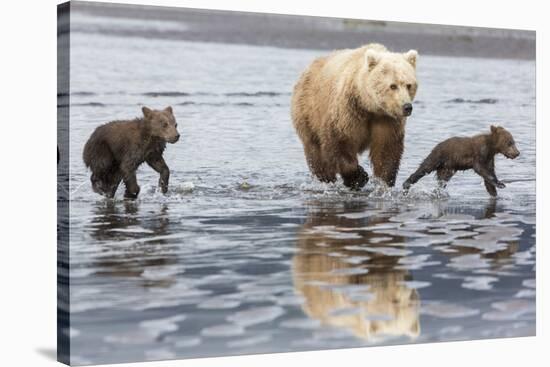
(157, 163)
(354, 176)
(346, 163)
(356, 180)
(386, 149)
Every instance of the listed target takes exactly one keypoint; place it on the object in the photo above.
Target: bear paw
(500, 184)
(132, 195)
(356, 180)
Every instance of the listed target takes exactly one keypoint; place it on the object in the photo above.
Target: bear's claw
(356, 180)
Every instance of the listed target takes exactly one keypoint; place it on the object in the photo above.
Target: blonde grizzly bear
(351, 101)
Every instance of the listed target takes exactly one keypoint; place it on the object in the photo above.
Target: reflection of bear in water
(322, 274)
(112, 229)
(499, 258)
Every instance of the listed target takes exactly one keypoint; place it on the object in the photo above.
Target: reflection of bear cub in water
(115, 151)
(459, 154)
(351, 101)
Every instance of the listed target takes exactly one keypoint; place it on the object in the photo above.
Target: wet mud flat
(302, 32)
(325, 274)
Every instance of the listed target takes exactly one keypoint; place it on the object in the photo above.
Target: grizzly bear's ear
(146, 111)
(494, 129)
(372, 58)
(411, 57)
(169, 110)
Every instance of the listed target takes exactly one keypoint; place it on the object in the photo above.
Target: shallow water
(248, 254)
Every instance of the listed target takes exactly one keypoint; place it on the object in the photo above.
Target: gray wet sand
(305, 32)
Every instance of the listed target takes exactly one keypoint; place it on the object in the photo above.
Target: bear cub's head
(161, 123)
(389, 79)
(503, 142)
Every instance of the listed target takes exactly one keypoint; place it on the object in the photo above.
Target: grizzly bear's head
(503, 142)
(161, 123)
(387, 82)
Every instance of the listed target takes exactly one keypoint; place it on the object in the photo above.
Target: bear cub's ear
(147, 112)
(169, 110)
(411, 57)
(372, 58)
(494, 129)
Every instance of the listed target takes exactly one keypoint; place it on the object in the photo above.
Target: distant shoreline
(307, 32)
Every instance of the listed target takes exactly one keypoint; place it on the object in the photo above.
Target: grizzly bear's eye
(510, 143)
(393, 86)
(409, 86)
(165, 124)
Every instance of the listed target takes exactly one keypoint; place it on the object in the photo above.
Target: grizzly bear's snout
(407, 109)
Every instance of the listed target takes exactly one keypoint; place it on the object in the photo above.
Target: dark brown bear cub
(459, 154)
(116, 150)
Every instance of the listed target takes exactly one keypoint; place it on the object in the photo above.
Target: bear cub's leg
(428, 166)
(444, 175)
(487, 172)
(113, 184)
(491, 189)
(128, 172)
(157, 163)
(106, 184)
(132, 188)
